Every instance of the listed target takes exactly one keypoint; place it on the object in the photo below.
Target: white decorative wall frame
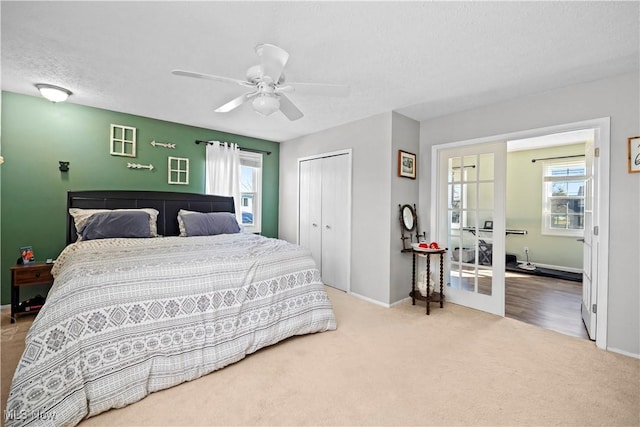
(162, 144)
(139, 166)
(178, 170)
(123, 141)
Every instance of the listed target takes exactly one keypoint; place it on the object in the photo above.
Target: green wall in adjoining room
(524, 210)
(37, 134)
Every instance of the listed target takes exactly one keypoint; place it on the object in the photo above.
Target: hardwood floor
(545, 302)
(542, 301)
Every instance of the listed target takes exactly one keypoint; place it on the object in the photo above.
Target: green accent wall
(37, 134)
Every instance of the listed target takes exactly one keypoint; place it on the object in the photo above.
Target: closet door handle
(327, 226)
(314, 224)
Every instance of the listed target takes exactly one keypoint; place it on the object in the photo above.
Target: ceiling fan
(267, 84)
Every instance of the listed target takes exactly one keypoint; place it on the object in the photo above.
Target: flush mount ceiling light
(266, 104)
(53, 93)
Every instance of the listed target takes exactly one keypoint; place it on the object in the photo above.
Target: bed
(126, 317)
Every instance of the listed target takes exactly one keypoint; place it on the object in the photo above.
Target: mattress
(127, 317)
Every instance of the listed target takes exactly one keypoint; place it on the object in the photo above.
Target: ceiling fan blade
(315, 89)
(210, 77)
(235, 103)
(273, 59)
(289, 109)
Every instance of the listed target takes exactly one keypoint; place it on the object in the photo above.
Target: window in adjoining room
(563, 198)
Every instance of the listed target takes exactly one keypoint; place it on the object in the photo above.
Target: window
(251, 191)
(563, 198)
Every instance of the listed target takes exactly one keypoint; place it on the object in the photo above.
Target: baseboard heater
(512, 265)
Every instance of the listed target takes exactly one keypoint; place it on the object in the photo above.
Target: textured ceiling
(422, 59)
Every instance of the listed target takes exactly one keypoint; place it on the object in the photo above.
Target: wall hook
(64, 166)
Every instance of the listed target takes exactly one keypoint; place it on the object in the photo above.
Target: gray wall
(405, 136)
(370, 141)
(616, 97)
(379, 271)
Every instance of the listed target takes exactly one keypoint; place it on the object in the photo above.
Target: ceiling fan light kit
(266, 104)
(266, 81)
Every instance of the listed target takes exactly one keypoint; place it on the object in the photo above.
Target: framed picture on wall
(634, 154)
(406, 164)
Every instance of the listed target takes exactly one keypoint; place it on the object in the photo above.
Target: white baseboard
(369, 300)
(362, 297)
(624, 353)
(402, 301)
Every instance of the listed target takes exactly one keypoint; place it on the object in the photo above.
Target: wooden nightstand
(38, 273)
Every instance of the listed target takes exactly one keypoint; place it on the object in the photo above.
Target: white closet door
(310, 232)
(335, 221)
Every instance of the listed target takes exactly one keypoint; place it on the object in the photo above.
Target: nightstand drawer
(38, 273)
(32, 275)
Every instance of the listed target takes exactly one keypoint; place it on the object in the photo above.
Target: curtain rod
(252, 150)
(559, 157)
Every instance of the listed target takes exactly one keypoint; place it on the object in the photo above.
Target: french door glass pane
(470, 169)
(485, 196)
(469, 196)
(470, 205)
(486, 167)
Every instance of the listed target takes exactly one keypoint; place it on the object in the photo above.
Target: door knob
(326, 226)
(314, 224)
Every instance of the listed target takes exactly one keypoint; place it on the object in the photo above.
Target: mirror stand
(408, 217)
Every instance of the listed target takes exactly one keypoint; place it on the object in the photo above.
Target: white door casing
(600, 217)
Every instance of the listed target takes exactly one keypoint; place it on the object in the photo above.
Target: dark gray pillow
(109, 225)
(210, 224)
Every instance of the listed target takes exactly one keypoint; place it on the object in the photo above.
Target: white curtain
(223, 172)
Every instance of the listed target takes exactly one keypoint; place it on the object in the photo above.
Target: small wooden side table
(37, 273)
(435, 297)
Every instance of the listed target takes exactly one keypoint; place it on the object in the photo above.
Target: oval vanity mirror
(408, 218)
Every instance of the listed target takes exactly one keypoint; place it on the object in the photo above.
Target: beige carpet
(398, 367)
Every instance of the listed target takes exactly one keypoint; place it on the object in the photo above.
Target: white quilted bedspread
(127, 317)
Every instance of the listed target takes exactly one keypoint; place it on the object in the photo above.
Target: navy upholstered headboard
(166, 203)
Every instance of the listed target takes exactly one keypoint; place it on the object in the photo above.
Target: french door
(471, 219)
